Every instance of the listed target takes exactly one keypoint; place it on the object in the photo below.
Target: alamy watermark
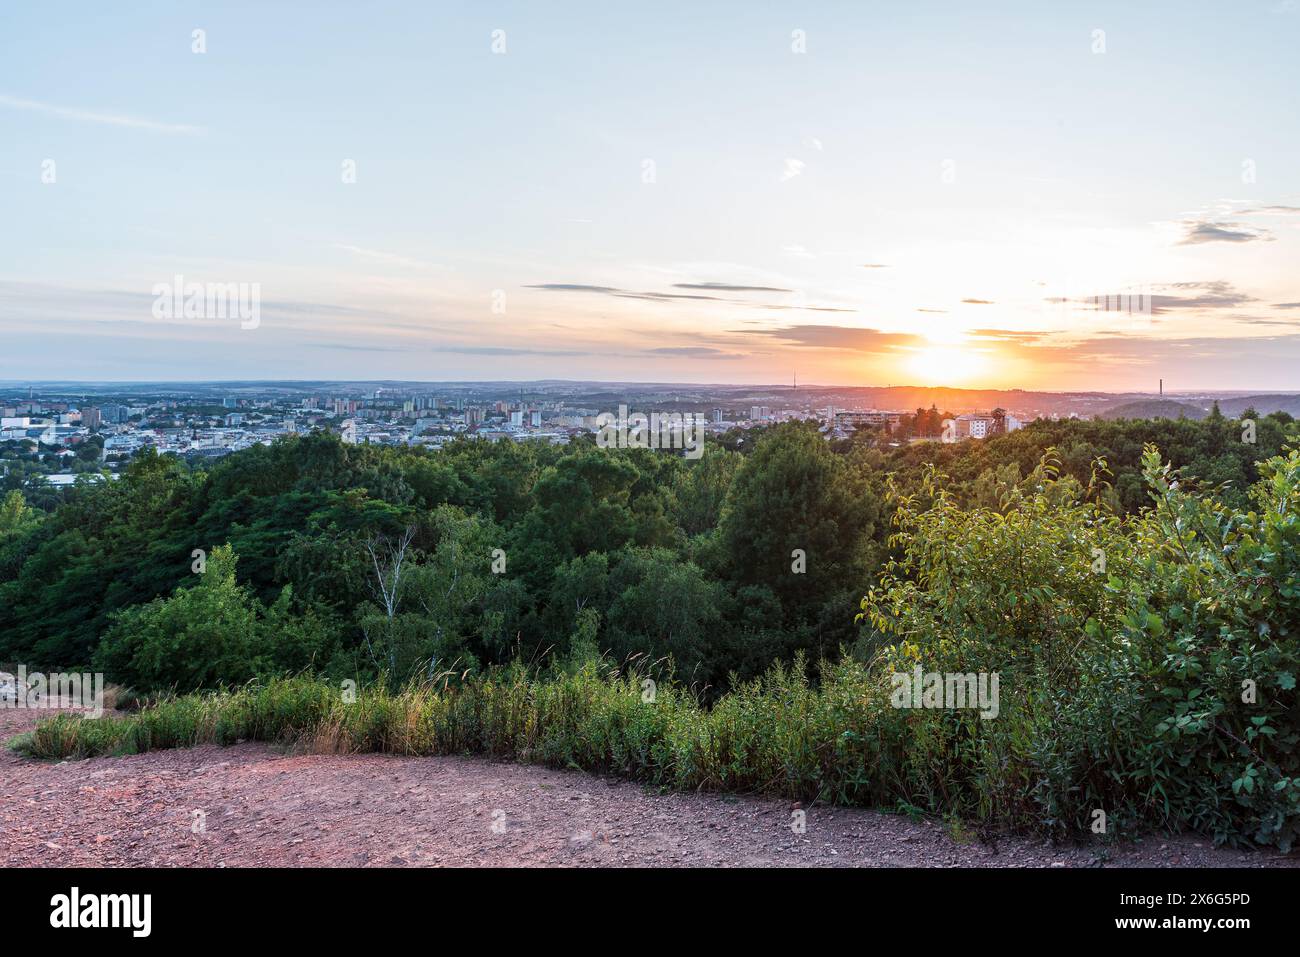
(946, 691)
(75, 909)
(179, 299)
(36, 690)
(1133, 301)
(658, 430)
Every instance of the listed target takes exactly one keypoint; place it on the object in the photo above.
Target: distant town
(61, 431)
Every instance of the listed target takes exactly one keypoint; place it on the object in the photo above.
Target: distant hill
(1154, 409)
(1263, 404)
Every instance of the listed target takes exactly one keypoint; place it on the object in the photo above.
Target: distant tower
(796, 380)
(1162, 387)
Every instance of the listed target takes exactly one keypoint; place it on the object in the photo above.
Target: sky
(1045, 196)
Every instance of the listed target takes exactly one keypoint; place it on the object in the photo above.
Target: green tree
(799, 522)
(209, 633)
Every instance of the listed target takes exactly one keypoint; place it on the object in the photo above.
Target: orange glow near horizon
(947, 364)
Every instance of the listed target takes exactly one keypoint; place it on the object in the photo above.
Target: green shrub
(1126, 649)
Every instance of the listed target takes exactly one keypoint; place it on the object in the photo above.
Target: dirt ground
(254, 805)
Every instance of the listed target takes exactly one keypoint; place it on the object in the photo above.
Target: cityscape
(64, 430)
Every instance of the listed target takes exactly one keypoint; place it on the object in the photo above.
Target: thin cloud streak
(379, 255)
(109, 119)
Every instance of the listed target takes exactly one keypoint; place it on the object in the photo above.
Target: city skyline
(1076, 199)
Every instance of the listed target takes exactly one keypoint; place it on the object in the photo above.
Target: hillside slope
(1153, 409)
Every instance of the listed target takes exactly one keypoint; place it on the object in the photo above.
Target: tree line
(361, 561)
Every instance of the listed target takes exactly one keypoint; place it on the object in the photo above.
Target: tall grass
(774, 735)
(840, 741)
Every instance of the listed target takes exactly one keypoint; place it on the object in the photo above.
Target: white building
(980, 425)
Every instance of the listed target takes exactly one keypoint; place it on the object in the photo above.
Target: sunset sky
(658, 192)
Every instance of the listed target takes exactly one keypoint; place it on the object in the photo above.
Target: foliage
(1123, 601)
(211, 633)
(1125, 650)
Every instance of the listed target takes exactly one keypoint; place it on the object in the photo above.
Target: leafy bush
(211, 633)
(1148, 664)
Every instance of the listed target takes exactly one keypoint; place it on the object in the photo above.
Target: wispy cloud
(1203, 231)
(700, 295)
(110, 119)
(1270, 211)
(807, 308)
(838, 337)
(620, 293)
(793, 168)
(1256, 321)
(1213, 293)
(439, 347)
(572, 287)
(694, 352)
(723, 287)
(1007, 335)
(379, 255)
(1216, 294)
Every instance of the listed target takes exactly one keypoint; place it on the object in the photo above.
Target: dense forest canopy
(1135, 586)
(361, 560)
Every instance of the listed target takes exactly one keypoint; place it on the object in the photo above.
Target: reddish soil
(264, 806)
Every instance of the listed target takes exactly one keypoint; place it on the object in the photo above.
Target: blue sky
(929, 193)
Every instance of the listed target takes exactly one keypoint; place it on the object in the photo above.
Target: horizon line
(33, 383)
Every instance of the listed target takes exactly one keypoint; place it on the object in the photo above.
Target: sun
(945, 365)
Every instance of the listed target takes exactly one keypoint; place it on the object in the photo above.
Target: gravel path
(252, 805)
